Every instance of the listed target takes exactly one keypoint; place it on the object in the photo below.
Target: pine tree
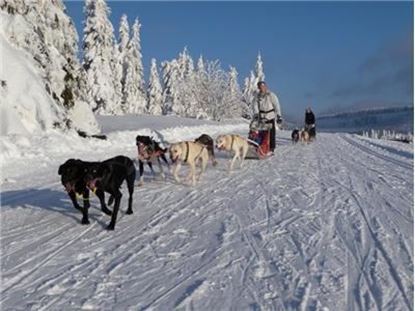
(200, 89)
(186, 82)
(248, 96)
(124, 38)
(117, 63)
(259, 69)
(234, 96)
(124, 33)
(171, 97)
(155, 94)
(99, 62)
(135, 100)
(250, 90)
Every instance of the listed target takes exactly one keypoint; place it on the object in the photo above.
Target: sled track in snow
(40, 264)
(307, 229)
(374, 153)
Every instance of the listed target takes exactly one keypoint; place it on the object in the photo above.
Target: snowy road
(326, 226)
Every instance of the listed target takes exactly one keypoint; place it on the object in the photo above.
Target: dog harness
(146, 152)
(187, 152)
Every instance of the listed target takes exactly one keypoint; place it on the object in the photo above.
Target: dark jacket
(309, 118)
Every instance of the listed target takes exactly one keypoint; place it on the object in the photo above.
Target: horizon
(332, 56)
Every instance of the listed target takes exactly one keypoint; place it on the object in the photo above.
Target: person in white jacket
(269, 110)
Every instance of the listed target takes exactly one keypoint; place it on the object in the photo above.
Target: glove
(279, 120)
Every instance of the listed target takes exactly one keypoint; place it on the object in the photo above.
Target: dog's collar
(187, 152)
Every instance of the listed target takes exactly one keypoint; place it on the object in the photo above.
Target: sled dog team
(80, 177)
(304, 135)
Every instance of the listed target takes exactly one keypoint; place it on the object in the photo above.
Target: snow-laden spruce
(259, 69)
(100, 57)
(134, 96)
(171, 99)
(250, 88)
(155, 92)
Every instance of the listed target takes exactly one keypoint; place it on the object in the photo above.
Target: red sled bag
(258, 139)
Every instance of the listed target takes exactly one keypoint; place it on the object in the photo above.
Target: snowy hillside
(399, 119)
(325, 226)
(32, 93)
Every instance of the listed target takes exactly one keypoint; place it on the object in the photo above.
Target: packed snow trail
(325, 225)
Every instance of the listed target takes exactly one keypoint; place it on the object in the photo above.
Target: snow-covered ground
(325, 226)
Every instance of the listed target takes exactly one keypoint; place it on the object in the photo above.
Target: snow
(324, 226)
(25, 105)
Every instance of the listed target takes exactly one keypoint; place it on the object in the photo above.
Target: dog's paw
(129, 212)
(110, 227)
(140, 183)
(85, 221)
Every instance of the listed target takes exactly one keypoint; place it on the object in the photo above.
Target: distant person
(269, 111)
(310, 123)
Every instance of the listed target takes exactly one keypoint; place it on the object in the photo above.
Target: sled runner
(258, 139)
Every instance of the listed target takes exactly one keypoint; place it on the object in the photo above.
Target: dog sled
(258, 139)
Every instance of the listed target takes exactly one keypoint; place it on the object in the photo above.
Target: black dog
(149, 150)
(108, 176)
(73, 179)
(73, 176)
(208, 142)
(295, 136)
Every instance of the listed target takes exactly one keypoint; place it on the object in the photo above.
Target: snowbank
(25, 105)
(56, 146)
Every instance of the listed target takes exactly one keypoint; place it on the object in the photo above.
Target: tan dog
(233, 143)
(304, 136)
(191, 153)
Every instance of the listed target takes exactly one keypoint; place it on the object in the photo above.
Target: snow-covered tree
(233, 97)
(200, 89)
(186, 80)
(135, 100)
(99, 60)
(171, 96)
(118, 78)
(259, 69)
(47, 33)
(248, 96)
(209, 89)
(14, 7)
(124, 33)
(123, 40)
(250, 90)
(155, 92)
(185, 63)
(201, 65)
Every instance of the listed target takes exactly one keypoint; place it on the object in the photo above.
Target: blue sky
(327, 55)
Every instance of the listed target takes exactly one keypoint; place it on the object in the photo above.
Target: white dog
(191, 153)
(233, 143)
